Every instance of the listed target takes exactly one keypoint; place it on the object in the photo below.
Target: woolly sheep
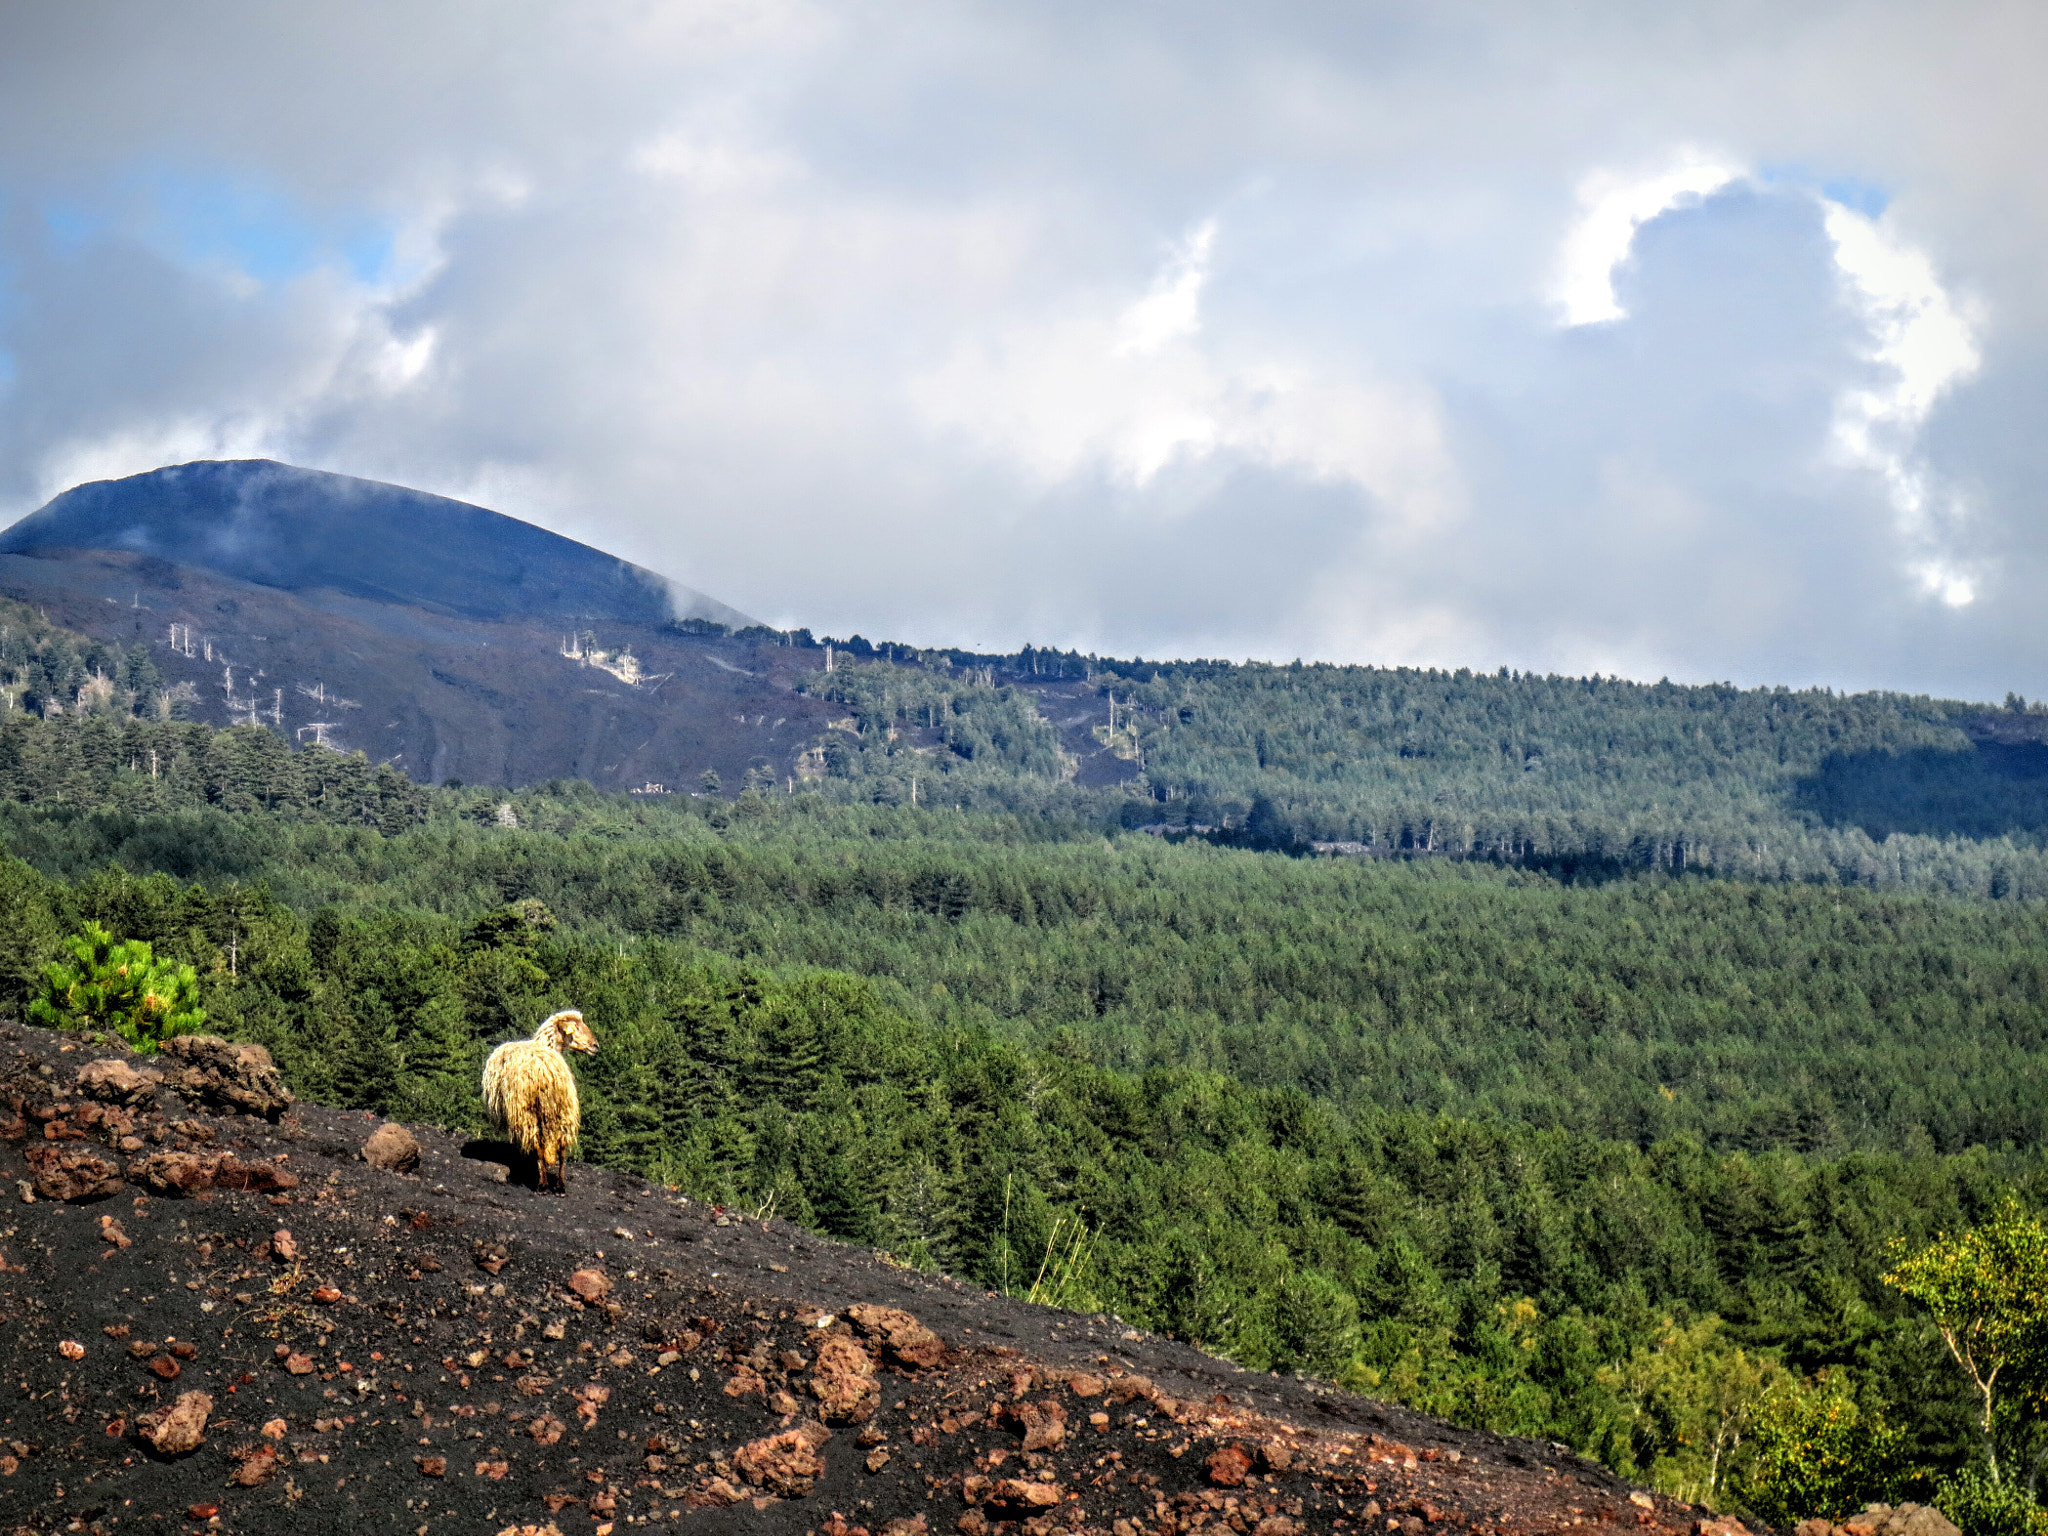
(530, 1093)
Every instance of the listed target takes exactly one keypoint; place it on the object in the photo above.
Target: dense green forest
(1615, 1153)
(1571, 775)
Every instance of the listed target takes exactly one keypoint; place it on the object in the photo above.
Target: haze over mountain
(298, 529)
(448, 639)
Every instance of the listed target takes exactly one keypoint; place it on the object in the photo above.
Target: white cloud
(1131, 392)
(1096, 326)
(1923, 342)
(1172, 310)
(1612, 207)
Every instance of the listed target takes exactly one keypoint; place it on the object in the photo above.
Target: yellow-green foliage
(106, 985)
(1988, 1291)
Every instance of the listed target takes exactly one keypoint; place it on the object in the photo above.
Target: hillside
(461, 645)
(353, 1346)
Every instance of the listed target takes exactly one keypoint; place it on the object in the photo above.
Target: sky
(1699, 340)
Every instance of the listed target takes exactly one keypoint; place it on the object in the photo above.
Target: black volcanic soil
(440, 695)
(454, 1379)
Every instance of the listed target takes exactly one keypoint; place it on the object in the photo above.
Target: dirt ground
(445, 1350)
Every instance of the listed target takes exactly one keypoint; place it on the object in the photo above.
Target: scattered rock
(166, 1367)
(843, 1381)
(253, 1465)
(178, 1428)
(787, 1464)
(903, 1338)
(547, 1429)
(115, 1082)
(274, 1430)
(1876, 1520)
(906, 1525)
(73, 1173)
(491, 1257)
(111, 1231)
(1084, 1385)
(1229, 1466)
(1044, 1424)
(299, 1365)
(1276, 1458)
(283, 1246)
(71, 1349)
(1024, 1495)
(189, 1173)
(432, 1466)
(392, 1147)
(878, 1458)
(590, 1285)
(1276, 1525)
(217, 1073)
(326, 1295)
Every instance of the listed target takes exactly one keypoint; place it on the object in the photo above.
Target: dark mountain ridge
(277, 525)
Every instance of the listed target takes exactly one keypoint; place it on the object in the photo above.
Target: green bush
(1983, 1506)
(1817, 1453)
(124, 987)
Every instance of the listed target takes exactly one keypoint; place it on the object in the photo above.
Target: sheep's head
(566, 1031)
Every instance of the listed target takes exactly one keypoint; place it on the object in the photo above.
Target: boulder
(187, 1173)
(1229, 1466)
(392, 1147)
(786, 1465)
(843, 1380)
(178, 1428)
(115, 1082)
(903, 1338)
(223, 1075)
(1887, 1520)
(73, 1173)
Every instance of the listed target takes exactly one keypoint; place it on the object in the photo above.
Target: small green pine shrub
(118, 986)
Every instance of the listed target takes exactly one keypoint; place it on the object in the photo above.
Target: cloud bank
(1624, 339)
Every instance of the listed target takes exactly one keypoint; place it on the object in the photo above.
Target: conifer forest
(1575, 1058)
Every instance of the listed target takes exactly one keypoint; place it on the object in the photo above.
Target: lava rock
(115, 1082)
(178, 1428)
(73, 1173)
(392, 1147)
(906, 1341)
(843, 1381)
(223, 1075)
(787, 1464)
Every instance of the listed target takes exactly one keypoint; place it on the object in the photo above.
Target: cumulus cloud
(1613, 207)
(1417, 333)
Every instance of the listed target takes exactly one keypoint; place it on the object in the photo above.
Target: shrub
(124, 987)
(1817, 1452)
(1984, 1506)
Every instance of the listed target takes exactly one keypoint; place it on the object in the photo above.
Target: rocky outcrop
(219, 1074)
(1884, 1520)
(115, 1082)
(73, 1173)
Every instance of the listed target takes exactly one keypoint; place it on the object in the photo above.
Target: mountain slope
(277, 525)
(450, 640)
(443, 1349)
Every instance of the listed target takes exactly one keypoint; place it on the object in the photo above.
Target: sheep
(530, 1093)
